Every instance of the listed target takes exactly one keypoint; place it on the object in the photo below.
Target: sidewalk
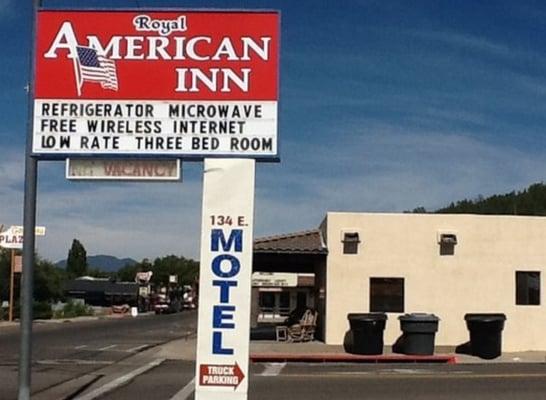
(270, 351)
(5, 324)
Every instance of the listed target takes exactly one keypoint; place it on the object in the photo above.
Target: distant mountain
(103, 262)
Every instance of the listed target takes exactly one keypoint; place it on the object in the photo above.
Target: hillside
(103, 262)
(530, 201)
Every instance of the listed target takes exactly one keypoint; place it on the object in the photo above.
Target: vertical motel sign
(174, 84)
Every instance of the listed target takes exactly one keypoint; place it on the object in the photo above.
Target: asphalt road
(352, 382)
(63, 351)
(66, 351)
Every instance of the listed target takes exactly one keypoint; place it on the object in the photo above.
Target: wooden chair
(303, 331)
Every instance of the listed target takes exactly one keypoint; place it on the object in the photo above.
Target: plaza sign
(13, 237)
(162, 83)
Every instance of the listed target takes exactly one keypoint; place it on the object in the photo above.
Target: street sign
(144, 277)
(156, 83)
(13, 237)
(220, 375)
(122, 169)
(223, 329)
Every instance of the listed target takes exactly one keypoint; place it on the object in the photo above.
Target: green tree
(76, 264)
(185, 269)
(530, 201)
(48, 281)
(127, 273)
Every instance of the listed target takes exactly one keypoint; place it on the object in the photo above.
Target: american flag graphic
(93, 67)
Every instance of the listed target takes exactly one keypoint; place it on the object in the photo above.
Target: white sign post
(225, 280)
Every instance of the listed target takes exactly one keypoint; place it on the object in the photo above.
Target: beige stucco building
(448, 265)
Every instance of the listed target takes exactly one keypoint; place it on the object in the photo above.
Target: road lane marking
(273, 369)
(73, 361)
(83, 346)
(107, 347)
(186, 391)
(136, 349)
(122, 380)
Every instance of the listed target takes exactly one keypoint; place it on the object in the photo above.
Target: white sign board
(276, 279)
(123, 169)
(13, 237)
(225, 280)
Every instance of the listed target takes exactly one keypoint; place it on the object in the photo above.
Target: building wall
(478, 277)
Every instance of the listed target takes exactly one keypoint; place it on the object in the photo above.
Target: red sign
(162, 83)
(220, 375)
(186, 55)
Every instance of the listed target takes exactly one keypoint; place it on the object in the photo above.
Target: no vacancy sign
(158, 83)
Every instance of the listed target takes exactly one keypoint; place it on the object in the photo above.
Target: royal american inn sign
(176, 83)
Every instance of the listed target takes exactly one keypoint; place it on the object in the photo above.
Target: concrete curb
(350, 358)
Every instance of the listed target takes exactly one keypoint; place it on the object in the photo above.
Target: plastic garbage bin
(366, 333)
(485, 334)
(418, 333)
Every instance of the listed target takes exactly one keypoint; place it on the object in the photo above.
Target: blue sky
(385, 106)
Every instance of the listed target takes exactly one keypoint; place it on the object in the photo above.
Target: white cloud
(127, 220)
(378, 167)
(11, 178)
(392, 170)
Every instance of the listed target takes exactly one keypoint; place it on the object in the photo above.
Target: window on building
(301, 300)
(267, 301)
(527, 288)
(447, 244)
(350, 242)
(387, 295)
(284, 303)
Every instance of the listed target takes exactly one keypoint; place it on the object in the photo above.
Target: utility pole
(11, 289)
(29, 224)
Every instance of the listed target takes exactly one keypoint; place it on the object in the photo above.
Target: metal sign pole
(29, 224)
(11, 281)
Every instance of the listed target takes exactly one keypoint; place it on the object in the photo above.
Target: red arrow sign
(220, 375)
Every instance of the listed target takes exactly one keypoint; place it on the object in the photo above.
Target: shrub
(73, 309)
(42, 310)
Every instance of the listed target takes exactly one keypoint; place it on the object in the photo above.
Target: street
(351, 382)
(122, 359)
(64, 351)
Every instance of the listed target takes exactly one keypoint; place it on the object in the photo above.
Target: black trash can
(418, 334)
(366, 334)
(485, 334)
